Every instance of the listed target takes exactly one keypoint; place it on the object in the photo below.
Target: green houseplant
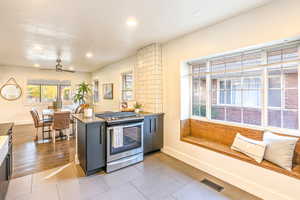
(81, 94)
(137, 107)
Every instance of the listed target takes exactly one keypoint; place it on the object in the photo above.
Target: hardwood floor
(30, 157)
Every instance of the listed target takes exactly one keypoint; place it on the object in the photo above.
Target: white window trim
(264, 102)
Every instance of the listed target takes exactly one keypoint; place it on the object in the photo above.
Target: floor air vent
(212, 185)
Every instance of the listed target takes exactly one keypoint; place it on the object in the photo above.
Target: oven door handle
(127, 126)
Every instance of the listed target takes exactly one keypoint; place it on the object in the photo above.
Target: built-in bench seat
(219, 137)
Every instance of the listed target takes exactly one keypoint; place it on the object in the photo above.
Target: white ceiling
(72, 28)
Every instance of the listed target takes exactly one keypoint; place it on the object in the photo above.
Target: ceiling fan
(59, 67)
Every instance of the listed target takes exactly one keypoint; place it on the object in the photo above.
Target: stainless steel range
(124, 139)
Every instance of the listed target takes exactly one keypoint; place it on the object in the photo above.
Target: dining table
(49, 113)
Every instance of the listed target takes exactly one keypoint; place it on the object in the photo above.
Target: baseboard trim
(22, 122)
(246, 185)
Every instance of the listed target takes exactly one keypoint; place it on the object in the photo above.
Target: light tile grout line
(57, 190)
(31, 183)
(138, 190)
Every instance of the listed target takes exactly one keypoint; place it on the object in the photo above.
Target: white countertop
(3, 147)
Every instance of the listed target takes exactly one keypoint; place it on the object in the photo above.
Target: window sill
(224, 149)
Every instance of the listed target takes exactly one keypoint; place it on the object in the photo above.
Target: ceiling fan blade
(47, 69)
(65, 70)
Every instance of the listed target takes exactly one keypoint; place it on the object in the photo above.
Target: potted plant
(137, 107)
(81, 96)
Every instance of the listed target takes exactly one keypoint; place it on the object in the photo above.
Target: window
(96, 91)
(127, 86)
(283, 89)
(199, 90)
(255, 88)
(47, 91)
(65, 93)
(236, 90)
(33, 93)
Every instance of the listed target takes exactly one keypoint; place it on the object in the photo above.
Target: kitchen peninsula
(99, 145)
(5, 157)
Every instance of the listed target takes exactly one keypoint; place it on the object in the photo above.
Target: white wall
(112, 74)
(278, 20)
(18, 111)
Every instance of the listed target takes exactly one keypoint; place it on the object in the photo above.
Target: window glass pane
(290, 119)
(291, 98)
(274, 82)
(252, 116)
(274, 118)
(127, 95)
(236, 97)
(196, 96)
(233, 114)
(222, 97)
(218, 112)
(228, 84)
(251, 98)
(291, 78)
(48, 93)
(127, 86)
(33, 93)
(236, 84)
(222, 85)
(214, 84)
(66, 93)
(251, 59)
(228, 97)
(96, 91)
(274, 97)
(218, 65)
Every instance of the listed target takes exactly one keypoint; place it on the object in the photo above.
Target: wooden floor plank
(30, 157)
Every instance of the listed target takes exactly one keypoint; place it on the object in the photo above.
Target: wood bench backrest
(224, 134)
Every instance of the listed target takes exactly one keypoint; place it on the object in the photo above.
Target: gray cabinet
(153, 132)
(91, 156)
(4, 178)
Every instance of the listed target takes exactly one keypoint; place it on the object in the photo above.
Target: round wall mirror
(11, 91)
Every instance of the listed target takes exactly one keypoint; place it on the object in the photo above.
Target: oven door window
(125, 138)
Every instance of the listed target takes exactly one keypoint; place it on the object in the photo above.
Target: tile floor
(159, 177)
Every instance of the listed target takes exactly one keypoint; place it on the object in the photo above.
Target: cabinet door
(147, 135)
(96, 146)
(3, 179)
(81, 128)
(157, 133)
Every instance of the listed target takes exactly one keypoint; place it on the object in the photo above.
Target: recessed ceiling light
(37, 47)
(89, 55)
(131, 21)
(36, 65)
(197, 13)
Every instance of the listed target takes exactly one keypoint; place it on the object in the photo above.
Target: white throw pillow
(280, 149)
(252, 148)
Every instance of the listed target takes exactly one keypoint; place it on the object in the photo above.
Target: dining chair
(40, 123)
(61, 122)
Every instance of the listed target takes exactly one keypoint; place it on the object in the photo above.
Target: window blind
(249, 61)
(48, 82)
